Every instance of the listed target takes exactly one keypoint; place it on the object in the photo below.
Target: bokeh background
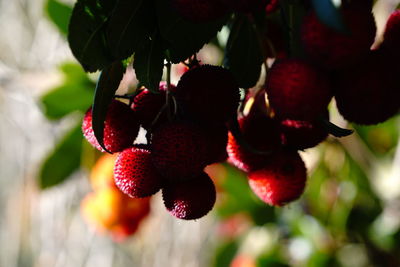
(348, 216)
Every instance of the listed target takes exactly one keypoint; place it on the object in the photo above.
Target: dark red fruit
(300, 135)
(120, 128)
(262, 134)
(281, 181)
(272, 6)
(180, 150)
(147, 106)
(296, 90)
(370, 93)
(217, 137)
(199, 10)
(134, 173)
(208, 93)
(246, 5)
(392, 34)
(332, 49)
(190, 199)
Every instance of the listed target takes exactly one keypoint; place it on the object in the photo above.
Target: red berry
(392, 34)
(134, 173)
(147, 106)
(302, 134)
(208, 93)
(272, 6)
(190, 199)
(261, 133)
(370, 93)
(179, 150)
(281, 181)
(199, 10)
(296, 90)
(217, 137)
(333, 49)
(120, 128)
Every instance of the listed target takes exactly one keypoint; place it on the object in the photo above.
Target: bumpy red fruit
(199, 10)
(134, 173)
(370, 94)
(303, 134)
(208, 93)
(179, 150)
(332, 49)
(281, 181)
(262, 134)
(297, 90)
(120, 128)
(392, 35)
(190, 199)
(147, 106)
(246, 5)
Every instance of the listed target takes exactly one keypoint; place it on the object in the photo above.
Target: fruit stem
(168, 93)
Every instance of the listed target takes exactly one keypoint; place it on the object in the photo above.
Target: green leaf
(108, 83)
(86, 33)
(225, 254)
(329, 14)
(75, 94)
(243, 54)
(185, 38)
(63, 161)
(130, 26)
(149, 64)
(59, 13)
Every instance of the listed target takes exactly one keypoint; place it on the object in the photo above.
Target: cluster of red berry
(187, 125)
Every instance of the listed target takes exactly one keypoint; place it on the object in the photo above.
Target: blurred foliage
(59, 13)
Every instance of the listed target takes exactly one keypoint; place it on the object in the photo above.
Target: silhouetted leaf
(63, 161)
(130, 26)
(108, 83)
(59, 13)
(149, 64)
(185, 38)
(86, 33)
(75, 94)
(243, 54)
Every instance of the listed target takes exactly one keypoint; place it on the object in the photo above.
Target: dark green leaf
(86, 33)
(149, 64)
(75, 94)
(329, 14)
(185, 38)
(59, 13)
(243, 54)
(108, 83)
(63, 161)
(130, 26)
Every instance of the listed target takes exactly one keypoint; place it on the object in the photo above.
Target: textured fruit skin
(147, 105)
(301, 135)
(246, 6)
(120, 128)
(332, 49)
(208, 93)
(179, 150)
(370, 94)
(281, 181)
(297, 90)
(199, 10)
(134, 173)
(261, 133)
(190, 199)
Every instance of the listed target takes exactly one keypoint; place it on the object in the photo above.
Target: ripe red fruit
(120, 128)
(261, 133)
(217, 137)
(147, 106)
(302, 134)
(370, 93)
(296, 90)
(392, 34)
(190, 199)
(134, 173)
(332, 49)
(246, 5)
(281, 181)
(199, 10)
(208, 93)
(179, 150)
